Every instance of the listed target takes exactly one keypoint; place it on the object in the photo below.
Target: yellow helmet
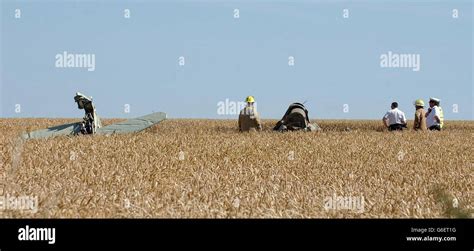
(250, 99)
(419, 102)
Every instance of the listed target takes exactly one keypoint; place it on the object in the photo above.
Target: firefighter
(249, 120)
(420, 119)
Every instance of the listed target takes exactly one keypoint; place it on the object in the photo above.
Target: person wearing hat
(434, 116)
(420, 119)
(249, 120)
(395, 119)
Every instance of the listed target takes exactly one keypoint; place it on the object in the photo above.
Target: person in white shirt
(395, 119)
(434, 115)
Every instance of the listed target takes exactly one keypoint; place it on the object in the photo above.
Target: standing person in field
(420, 118)
(248, 117)
(395, 119)
(434, 116)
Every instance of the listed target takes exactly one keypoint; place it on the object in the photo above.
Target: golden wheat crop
(206, 168)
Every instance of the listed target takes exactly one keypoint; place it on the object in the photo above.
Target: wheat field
(184, 168)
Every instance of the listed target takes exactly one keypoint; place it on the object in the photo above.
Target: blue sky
(337, 60)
